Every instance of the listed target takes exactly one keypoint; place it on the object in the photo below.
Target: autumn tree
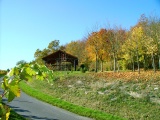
(77, 48)
(153, 31)
(92, 48)
(138, 40)
(152, 49)
(128, 52)
(121, 38)
(103, 53)
(115, 38)
(143, 22)
(151, 28)
(96, 47)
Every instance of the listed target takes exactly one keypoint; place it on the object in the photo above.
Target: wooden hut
(60, 60)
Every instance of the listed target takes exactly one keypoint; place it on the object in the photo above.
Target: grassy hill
(126, 94)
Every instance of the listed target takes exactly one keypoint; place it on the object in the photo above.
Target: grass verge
(98, 115)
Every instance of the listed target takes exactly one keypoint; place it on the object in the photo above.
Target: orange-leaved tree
(97, 47)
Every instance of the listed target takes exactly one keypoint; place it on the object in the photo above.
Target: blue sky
(26, 25)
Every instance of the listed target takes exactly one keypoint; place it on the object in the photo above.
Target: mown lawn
(128, 95)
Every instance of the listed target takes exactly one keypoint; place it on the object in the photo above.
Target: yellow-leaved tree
(138, 40)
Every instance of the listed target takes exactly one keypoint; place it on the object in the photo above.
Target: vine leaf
(14, 87)
(30, 71)
(10, 96)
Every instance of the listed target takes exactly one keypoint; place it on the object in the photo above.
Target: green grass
(98, 115)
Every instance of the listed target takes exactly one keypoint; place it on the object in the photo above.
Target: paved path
(37, 110)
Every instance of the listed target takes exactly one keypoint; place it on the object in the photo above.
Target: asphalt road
(34, 109)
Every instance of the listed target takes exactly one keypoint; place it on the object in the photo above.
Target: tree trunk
(96, 64)
(144, 63)
(101, 65)
(133, 67)
(117, 67)
(133, 64)
(153, 63)
(138, 63)
(114, 58)
(159, 61)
